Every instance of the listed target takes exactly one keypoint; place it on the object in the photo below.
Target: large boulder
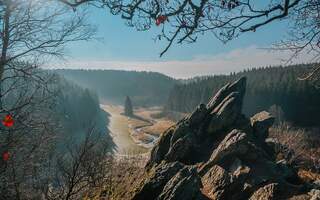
(314, 194)
(198, 116)
(161, 149)
(238, 86)
(234, 144)
(261, 122)
(226, 113)
(268, 192)
(215, 182)
(179, 151)
(218, 153)
(185, 185)
(223, 110)
(157, 179)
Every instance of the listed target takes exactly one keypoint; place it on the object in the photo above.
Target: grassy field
(145, 129)
(119, 128)
(135, 135)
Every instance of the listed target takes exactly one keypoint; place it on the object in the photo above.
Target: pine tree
(298, 100)
(128, 107)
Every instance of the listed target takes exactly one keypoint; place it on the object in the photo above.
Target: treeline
(144, 88)
(270, 88)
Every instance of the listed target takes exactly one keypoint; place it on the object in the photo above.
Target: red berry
(8, 121)
(161, 19)
(6, 156)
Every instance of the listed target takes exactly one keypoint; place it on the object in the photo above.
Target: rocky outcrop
(261, 122)
(218, 153)
(215, 182)
(268, 192)
(315, 194)
(184, 185)
(157, 180)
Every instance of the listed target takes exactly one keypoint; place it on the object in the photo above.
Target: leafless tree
(82, 168)
(32, 30)
(183, 21)
(30, 33)
(26, 98)
(299, 147)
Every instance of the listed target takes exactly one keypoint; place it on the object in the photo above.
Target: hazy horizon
(234, 61)
(123, 48)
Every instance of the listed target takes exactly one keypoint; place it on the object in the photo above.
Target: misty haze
(159, 100)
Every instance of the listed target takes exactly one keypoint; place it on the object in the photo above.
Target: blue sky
(122, 47)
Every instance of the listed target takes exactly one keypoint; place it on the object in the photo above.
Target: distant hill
(269, 88)
(144, 88)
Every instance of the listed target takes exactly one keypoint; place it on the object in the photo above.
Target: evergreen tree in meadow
(128, 107)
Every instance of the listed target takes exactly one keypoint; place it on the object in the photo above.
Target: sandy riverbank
(147, 132)
(135, 135)
(119, 131)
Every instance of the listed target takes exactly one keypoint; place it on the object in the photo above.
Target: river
(119, 130)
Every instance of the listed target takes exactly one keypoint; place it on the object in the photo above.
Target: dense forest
(276, 89)
(144, 88)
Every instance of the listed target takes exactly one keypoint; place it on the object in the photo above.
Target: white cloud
(233, 61)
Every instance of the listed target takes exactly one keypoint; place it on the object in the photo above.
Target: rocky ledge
(218, 153)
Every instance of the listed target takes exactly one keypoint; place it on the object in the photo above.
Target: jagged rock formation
(218, 153)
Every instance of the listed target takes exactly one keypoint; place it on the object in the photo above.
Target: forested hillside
(144, 88)
(54, 126)
(69, 109)
(77, 109)
(270, 88)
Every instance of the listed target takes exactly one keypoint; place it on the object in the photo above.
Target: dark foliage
(299, 100)
(128, 110)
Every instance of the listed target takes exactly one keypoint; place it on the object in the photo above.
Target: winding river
(119, 130)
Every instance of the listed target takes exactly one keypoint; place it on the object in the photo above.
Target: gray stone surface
(218, 153)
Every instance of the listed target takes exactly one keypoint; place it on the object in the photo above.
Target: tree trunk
(5, 44)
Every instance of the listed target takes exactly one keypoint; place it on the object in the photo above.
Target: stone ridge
(217, 153)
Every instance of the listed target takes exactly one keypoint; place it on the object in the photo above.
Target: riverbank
(119, 131)
(135, 135)
(147, 131)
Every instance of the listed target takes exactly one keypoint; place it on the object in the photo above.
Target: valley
(135, 100)
(137, 134)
